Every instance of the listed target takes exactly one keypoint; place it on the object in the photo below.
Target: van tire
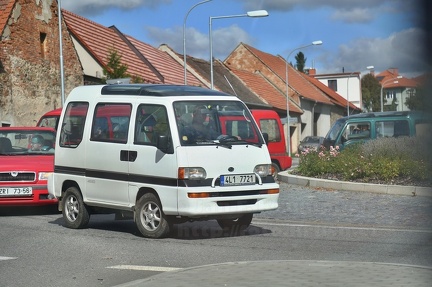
(75, 212)
(149, 217)
(238, 224)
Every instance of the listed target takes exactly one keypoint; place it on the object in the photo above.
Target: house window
(332, 84)
(411, 92)
(390, 95)
(43, 45)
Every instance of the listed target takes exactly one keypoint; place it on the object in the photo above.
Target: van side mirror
(164, 144)
(266, 137)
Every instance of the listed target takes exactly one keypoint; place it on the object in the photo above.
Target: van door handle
(128, 155)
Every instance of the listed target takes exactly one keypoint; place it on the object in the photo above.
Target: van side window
(396, 128)
(111, 123)
(72, 127)
(270, 126)
(359, 130)
(151, 121)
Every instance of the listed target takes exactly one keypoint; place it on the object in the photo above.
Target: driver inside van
(201, 127)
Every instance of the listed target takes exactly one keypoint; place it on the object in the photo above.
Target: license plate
(239, 179)
(15, 191)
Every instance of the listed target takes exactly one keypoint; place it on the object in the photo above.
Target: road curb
(286, 177)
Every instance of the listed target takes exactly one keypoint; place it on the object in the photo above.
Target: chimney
(312, 71)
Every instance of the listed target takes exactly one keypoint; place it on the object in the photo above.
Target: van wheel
(276, 171)
(75, 212)
(149, 217)
(238, 224)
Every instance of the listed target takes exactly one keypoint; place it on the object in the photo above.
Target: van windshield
(335, 130)
(216, 122)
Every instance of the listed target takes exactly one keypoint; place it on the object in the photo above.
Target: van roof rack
(158, 90)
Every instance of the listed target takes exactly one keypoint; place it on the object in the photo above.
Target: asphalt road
(310, 224)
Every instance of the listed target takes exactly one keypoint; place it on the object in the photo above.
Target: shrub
(381, 160)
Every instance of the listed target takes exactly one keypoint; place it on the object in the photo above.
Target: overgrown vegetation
(404, 161)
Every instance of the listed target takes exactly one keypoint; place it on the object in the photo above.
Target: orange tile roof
(257, 83)
(98, 40)
(278, 65)
(172, 71)
(387, 76)
(5, 11)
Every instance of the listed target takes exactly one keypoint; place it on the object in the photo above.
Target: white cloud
(197, 44)
(349, 11)
(356, 15)
(403, 50)
(92, 7)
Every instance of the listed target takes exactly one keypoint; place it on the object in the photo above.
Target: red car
(26, 161)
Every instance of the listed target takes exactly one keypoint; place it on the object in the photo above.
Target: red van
(270, 125)
(269, 122)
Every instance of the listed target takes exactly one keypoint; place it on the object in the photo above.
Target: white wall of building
(90, 66)
(348, 86)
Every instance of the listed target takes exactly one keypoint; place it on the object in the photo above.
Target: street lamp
(184, 38)
(314, 43)
(382, 86)
(61, 54)
(257, 13)
(369, 68)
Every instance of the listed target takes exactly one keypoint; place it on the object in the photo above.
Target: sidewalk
(292, 273)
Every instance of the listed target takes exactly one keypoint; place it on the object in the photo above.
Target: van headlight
(263, 170)
(193, 173)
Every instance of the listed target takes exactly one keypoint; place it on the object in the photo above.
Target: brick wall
(30, 81)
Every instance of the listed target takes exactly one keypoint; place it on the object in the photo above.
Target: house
(347, 85)
(395, 89)
(318, 108)
(30, 74)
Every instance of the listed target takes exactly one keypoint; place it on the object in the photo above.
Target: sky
(354, 33)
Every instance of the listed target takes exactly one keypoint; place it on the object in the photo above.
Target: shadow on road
(28, 210)
(185, 231)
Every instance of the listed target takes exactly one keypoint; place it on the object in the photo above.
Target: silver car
(311, 143)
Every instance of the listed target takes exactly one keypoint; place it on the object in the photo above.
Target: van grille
(17, 176)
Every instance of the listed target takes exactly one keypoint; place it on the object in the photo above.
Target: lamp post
(369, 68)
(184, 38)
(314, 43)
(382, 87)
(61, 53)
(257, 13)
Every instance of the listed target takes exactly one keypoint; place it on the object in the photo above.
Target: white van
(163, 154)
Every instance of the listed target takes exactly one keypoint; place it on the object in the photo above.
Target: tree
(420, 101)
(301, 61)
(114, 68)
(371, 93)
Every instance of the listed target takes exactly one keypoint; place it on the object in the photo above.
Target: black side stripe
(103, 174)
